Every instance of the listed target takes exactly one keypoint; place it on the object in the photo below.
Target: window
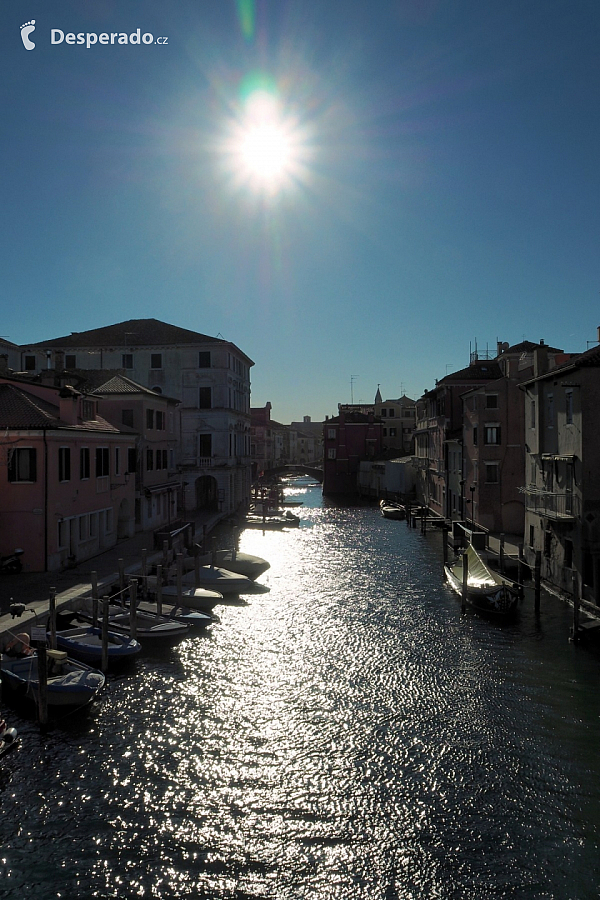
(149, 418)
(93, 524)
(384, 413)
(491, 434)
(491, 401)
(160, 420)
(550, 411)
(131, 459)
(205, 445)
(568, 561)
(83, 528)
(117, 460)
(127, 361)
(156, 360)
(331, 434)
(64, 463)
(384, 432)
(205, 398)
(531, 536)
(70, 361)
(474, 435)
(102, 462)
(392, 432)
(547, 543)
(532, 414)
(84, 463)
(127, 417)
(391, 412)
(108, 520)
(569, 407)
(331, 453)
(29, 363)
(149, 459)
(204, 359)
(492, 473)
(22, 464)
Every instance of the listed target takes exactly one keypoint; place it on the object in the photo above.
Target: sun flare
(266, 149)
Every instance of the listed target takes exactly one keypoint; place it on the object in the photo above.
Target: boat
(8, 738)
(199, 598)
(267, 520)
(487, 591)
(70, 683)
(240, 563)
(149, 628)
(218, 579)
(193, 618)
(392, 510)
(85, 643)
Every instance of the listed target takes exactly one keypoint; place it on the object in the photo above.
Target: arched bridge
(317, 474)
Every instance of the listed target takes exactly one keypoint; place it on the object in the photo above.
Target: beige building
(209, 376)
(562, 473)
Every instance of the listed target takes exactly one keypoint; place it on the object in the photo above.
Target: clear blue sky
(449, 188)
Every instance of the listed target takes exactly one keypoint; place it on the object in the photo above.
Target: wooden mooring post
(159, 587)
(121, 564)
(521, 566)
(180, 579)
(133, 608)
(576, 611)
(445, 545)
(104, 657)
(52, 617)
(501, 555)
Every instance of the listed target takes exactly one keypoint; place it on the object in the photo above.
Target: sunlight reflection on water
(348, 735)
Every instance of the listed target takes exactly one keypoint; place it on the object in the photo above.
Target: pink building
(348, 439)
(65, 490)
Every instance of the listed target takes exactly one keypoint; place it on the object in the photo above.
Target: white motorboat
(198, 598)
(391, 510)
(240, 563)
(218, 579)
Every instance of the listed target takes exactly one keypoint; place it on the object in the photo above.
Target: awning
(560, 457)
(159, 488)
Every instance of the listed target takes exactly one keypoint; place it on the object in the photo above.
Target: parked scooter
(11, 563)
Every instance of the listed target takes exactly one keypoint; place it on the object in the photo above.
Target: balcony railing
(562, 507)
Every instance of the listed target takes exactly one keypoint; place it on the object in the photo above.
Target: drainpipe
(45, 502)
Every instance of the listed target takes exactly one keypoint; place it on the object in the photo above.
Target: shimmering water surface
(348, 735)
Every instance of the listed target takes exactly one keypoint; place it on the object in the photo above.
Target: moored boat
(487, 591)
(85, 643)
(391, 510)
(218, 579)
(70, 683)
(240, 563)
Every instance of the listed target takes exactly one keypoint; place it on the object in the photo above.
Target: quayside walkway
(33, 589)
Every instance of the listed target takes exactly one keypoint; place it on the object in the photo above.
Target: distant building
(209, 376)
(398, 419)
(439, 422)
(65, 489)
(347, 440)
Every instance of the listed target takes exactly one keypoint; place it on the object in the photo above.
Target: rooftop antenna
(352, 378)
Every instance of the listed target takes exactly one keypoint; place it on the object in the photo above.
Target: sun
(266, 149)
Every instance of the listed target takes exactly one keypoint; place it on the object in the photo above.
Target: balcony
(555, 506)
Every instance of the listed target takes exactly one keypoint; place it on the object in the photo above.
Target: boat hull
(85, 644)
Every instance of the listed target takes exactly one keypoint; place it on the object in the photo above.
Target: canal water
(348, 735)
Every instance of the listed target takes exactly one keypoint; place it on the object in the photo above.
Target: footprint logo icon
(26, 30)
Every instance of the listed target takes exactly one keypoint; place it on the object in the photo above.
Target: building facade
(153, 419)
(209, 376)
(65, 490)
(347, 440)
(562, 474)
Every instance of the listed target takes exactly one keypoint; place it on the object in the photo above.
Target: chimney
(540, 360)
(68, 405)
(3, 363)
(598, 334)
